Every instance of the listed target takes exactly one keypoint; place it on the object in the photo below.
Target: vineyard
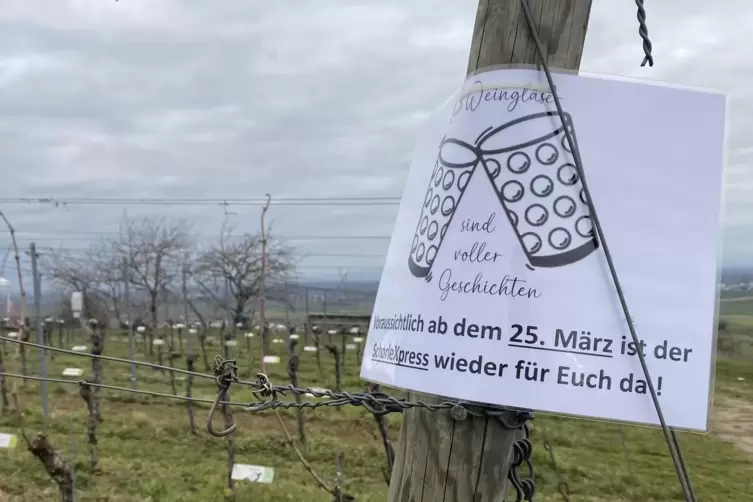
(145, 449)
(123, 414)
(168, 338)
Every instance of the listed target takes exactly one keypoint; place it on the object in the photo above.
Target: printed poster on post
(496, 288)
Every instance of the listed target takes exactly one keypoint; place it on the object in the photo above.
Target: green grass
(735, 293)
(736, 306)
(146, 452)
(741, 320)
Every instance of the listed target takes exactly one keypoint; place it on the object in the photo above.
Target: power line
(163, 201)
(78, 235)
(69, 252)
(11, 272)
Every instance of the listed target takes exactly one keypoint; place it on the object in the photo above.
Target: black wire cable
(643, 32)
(120, 389)
(164, 201)
(669, 435)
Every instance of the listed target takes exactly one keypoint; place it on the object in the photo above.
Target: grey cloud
(301, 99)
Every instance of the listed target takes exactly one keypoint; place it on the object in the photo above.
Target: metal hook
(210, 419)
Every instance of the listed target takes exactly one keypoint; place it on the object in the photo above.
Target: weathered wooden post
(439, 458)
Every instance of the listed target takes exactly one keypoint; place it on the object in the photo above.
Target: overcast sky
(236, 98)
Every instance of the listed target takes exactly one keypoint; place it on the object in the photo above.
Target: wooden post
(439, 458)
(264, 332)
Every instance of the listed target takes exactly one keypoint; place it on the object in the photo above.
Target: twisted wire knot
(225, 372)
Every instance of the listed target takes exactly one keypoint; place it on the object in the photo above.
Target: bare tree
(194, 304)
(79, 273)
(109, 274)
(153, 249)
(238, 260)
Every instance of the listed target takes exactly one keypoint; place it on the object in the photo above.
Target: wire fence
(225, 372)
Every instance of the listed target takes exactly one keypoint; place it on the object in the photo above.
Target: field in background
(738, 305)
(147, 453)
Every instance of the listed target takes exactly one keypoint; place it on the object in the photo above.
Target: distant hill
(735, 275)
(359, 289)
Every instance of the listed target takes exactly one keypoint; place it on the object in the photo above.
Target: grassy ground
(735, 293)
(742, 305)
(147, 453)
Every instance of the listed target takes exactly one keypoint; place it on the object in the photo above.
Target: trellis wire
(377, 403)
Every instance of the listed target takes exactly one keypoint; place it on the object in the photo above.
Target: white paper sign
(271, 359)
(73, 372)
(495, 289)
(7, 440)
(79, 348)
(254, 473)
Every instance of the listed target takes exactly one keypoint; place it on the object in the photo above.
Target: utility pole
(37, 285)
(131, 337)
(439, 458)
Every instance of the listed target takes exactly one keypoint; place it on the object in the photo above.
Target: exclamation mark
(658, 386)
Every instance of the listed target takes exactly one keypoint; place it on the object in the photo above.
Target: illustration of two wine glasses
(529, 163)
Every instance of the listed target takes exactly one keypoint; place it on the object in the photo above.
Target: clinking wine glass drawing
(529, 163)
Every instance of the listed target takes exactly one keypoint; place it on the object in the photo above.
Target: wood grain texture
(439, 459)
(501, 35)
